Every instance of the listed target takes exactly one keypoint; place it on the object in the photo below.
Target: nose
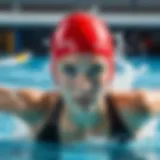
(82, 83)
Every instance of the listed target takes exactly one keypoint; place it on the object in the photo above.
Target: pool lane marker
(15, 60)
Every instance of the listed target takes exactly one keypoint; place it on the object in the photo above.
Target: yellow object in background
(10, 41)
(7, 41)
(22, 57)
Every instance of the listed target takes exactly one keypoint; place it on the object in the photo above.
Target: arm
(151, 101)
(20, 100)
(148, 101)
(31, 105)
(138, 108)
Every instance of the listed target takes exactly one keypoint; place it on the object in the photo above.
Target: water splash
(125, 79)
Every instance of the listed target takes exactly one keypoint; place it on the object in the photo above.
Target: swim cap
(83, 33)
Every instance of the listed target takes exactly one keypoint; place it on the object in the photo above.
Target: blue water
(150, 79)
(36, 74)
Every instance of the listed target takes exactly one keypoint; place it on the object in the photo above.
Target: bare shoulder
(148, 99)
(49, 100)
(151, 99)
(38, 99)
(127, 98)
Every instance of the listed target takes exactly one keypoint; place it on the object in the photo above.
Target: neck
(85, 120)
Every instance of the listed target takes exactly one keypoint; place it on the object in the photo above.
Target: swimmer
(85, 105)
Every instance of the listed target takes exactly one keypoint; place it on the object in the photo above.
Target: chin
(86, 107)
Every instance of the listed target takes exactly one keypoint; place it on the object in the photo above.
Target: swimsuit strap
(50, 132)
(119, 130)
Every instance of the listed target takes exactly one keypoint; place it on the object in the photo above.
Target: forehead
(82, 58)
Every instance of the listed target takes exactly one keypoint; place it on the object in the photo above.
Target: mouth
(84, 101)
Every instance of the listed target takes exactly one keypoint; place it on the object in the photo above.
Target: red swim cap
(83, 33)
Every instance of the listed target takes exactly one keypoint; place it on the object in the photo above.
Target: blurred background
(26, 26)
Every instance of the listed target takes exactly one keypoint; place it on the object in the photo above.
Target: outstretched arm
(19, 100)
(31, 105)
(138, 107)
(151, 101)
(148, 101)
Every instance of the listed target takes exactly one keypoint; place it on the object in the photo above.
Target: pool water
(36, 74)
(150, 79)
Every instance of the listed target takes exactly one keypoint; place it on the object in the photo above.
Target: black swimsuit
(50, 132)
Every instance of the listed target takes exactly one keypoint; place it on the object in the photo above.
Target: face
(82, 80)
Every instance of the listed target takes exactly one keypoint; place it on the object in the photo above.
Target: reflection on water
(28, 151)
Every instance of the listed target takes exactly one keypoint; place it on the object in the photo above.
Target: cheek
(103, 79)
(63, 81)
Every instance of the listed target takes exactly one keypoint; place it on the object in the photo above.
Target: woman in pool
(85, 106)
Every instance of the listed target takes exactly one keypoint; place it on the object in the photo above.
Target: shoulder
(50, 97)
(149, 100)
(43, 100)
(49, 100)
(127, 94)
(128, 97)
